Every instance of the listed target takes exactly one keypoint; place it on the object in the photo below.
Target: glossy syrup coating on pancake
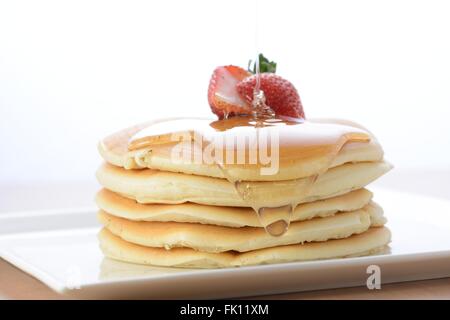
(304, 151)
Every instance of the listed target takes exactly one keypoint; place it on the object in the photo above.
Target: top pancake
(304, 150)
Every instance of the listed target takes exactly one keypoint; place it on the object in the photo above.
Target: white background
(73, 71)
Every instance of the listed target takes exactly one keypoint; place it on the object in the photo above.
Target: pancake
(153, 186)
(319, 140)
(121, 207)
(376, 214)
(211, 238)
(369, 242)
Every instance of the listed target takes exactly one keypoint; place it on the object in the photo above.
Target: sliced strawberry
(222, 95)
(281, 95)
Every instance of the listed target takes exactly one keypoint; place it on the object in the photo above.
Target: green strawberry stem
(265, 66)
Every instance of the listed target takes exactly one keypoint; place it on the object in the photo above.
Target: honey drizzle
(275, 219)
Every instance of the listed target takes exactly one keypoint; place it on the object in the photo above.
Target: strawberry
(281, 95)
(223, 98)
(231, 88)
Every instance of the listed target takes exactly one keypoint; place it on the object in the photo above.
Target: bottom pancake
(365, 243)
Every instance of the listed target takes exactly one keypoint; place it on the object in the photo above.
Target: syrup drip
(275, 220)
(298, 140)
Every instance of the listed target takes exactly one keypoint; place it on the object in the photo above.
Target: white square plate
(60, 249)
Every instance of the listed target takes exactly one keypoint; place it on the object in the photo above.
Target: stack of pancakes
(157, 211)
